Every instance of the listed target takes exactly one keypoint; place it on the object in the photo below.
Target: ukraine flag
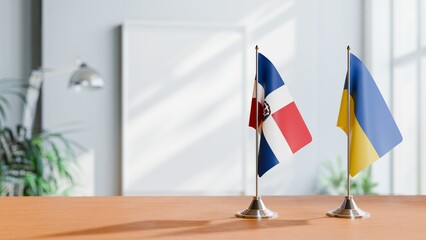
(373, 131)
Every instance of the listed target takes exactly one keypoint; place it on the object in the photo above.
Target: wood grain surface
(300, 217)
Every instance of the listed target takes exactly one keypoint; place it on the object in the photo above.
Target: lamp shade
(86, 77)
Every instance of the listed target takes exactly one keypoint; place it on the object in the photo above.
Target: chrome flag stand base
(257, 209)
(349, 209)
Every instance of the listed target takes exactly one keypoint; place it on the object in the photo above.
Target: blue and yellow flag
(373, 129)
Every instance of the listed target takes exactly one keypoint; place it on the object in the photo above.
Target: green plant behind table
(36, 165)
(334, 180)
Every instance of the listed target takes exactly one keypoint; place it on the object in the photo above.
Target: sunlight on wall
(284, 36)
(187, 95)
(202, 54)
(397, 63)
(405, 33)
(406, 115)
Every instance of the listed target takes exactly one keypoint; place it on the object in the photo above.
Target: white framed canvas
(184, 108)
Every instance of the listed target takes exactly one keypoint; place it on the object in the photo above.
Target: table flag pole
(257, 208)
(348, 209)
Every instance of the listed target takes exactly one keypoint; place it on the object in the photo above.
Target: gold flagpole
(257, 208)
(348, 209)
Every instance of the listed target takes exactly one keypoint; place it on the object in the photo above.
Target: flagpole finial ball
(349, 48)
(257, 47)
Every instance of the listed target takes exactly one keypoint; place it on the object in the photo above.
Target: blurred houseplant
(334, 180)
(34, 165)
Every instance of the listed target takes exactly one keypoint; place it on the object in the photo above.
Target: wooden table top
(300, 217)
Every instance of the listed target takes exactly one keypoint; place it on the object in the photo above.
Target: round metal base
(257, 209)
(348, 209)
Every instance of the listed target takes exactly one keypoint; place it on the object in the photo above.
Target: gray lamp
(86, 77)
(82, 77)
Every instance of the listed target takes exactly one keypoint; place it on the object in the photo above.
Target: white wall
(378, 58)
(395, 62)
(15, 47)
(307, 40)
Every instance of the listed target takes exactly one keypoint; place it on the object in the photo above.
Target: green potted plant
(34, 165)
(333, 180)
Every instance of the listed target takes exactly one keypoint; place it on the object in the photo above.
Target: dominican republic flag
(282, 129)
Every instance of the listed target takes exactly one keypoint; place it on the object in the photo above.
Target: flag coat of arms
(281, 127)
(373, 130)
